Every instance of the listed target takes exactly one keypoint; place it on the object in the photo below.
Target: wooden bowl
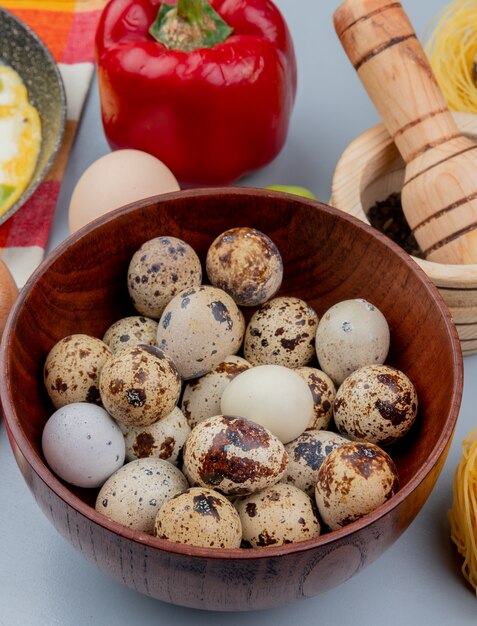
(328, 256)
(369, 170)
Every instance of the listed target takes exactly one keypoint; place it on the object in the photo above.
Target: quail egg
(233, 456)
(281, 332)
(199, 328)
(201, 398)
(306, 454)
(139, 385)
(377, 403)
(72, 369)
(350, 335)
(199, 517)
(323, 391)
(133, 495)
(161, 268)
(246, 264)
(277, 515)
(131, 331)
(353, 480)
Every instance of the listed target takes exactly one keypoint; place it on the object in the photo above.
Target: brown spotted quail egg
(354, 480)
(306, 455)
(233, 456)
(281, 332)
(72, 369)
(377, 403)
(201, 398)
(246, 264)
(133, 495)
(161, 268)
(350, 335)
(277, 515)
(271, 395)
(323, 391)
(139, 385)
(162, 439)
(131, 331)
(199, 328)
(199, 517)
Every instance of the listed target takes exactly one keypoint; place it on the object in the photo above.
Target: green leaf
(5, 192)
(189, 26)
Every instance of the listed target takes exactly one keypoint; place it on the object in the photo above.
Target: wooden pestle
(439, 195)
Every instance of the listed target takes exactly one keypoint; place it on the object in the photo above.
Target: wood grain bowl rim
(37, 464)
(445, 275)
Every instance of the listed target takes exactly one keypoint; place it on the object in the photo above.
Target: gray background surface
(43, 581)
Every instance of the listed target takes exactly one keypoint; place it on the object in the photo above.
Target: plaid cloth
(67, 27)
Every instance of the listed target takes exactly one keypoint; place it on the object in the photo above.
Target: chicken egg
(114, 180)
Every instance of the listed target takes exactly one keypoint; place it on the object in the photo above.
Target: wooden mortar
(439, 194)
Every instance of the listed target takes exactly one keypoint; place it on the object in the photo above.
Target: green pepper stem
(190, 10)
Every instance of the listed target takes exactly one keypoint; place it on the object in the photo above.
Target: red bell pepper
(211, 114)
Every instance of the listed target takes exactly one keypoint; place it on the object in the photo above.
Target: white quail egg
(277, 515)
(199, 328)
(199, 517)
(133, 495)
(354, 480)
(233, 456)
(350, 335)
(281, 332)
(377, 403)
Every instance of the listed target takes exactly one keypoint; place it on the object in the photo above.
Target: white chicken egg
(271, 395)
(114, 180)
(82, 444)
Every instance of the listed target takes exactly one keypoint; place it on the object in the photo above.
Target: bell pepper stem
(190, 10)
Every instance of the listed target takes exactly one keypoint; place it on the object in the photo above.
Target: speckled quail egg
(162, 439)
(199, 328)
(139, 385)
(246, 264)
(323, 391)
(354, 480)
(281, 332)
(131, 331)
(350, 335)
(199, 517)
(82, 444)
(277, 515)
(201, 398)
(271, 395)
(72, 369)
(161, 268)
(306, 455)
(377, 403)
(233, 456)
(133, 495)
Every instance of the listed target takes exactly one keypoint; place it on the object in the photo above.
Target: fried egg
(20, 137)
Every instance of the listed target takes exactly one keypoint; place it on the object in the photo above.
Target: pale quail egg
(161, 268)
(377, 403)
(199, 328)
(233, 456)
(131, 331)
(323, 391)
(306, 455)
(354, 480)
(201, 398)
(72, 369)
(162, 439)
(82, 444)
(246, 264)
(277, 515)
(271, 395)
(139, 385)
(133, 495)
(350, 335)
(281, 332)
(199, 517)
